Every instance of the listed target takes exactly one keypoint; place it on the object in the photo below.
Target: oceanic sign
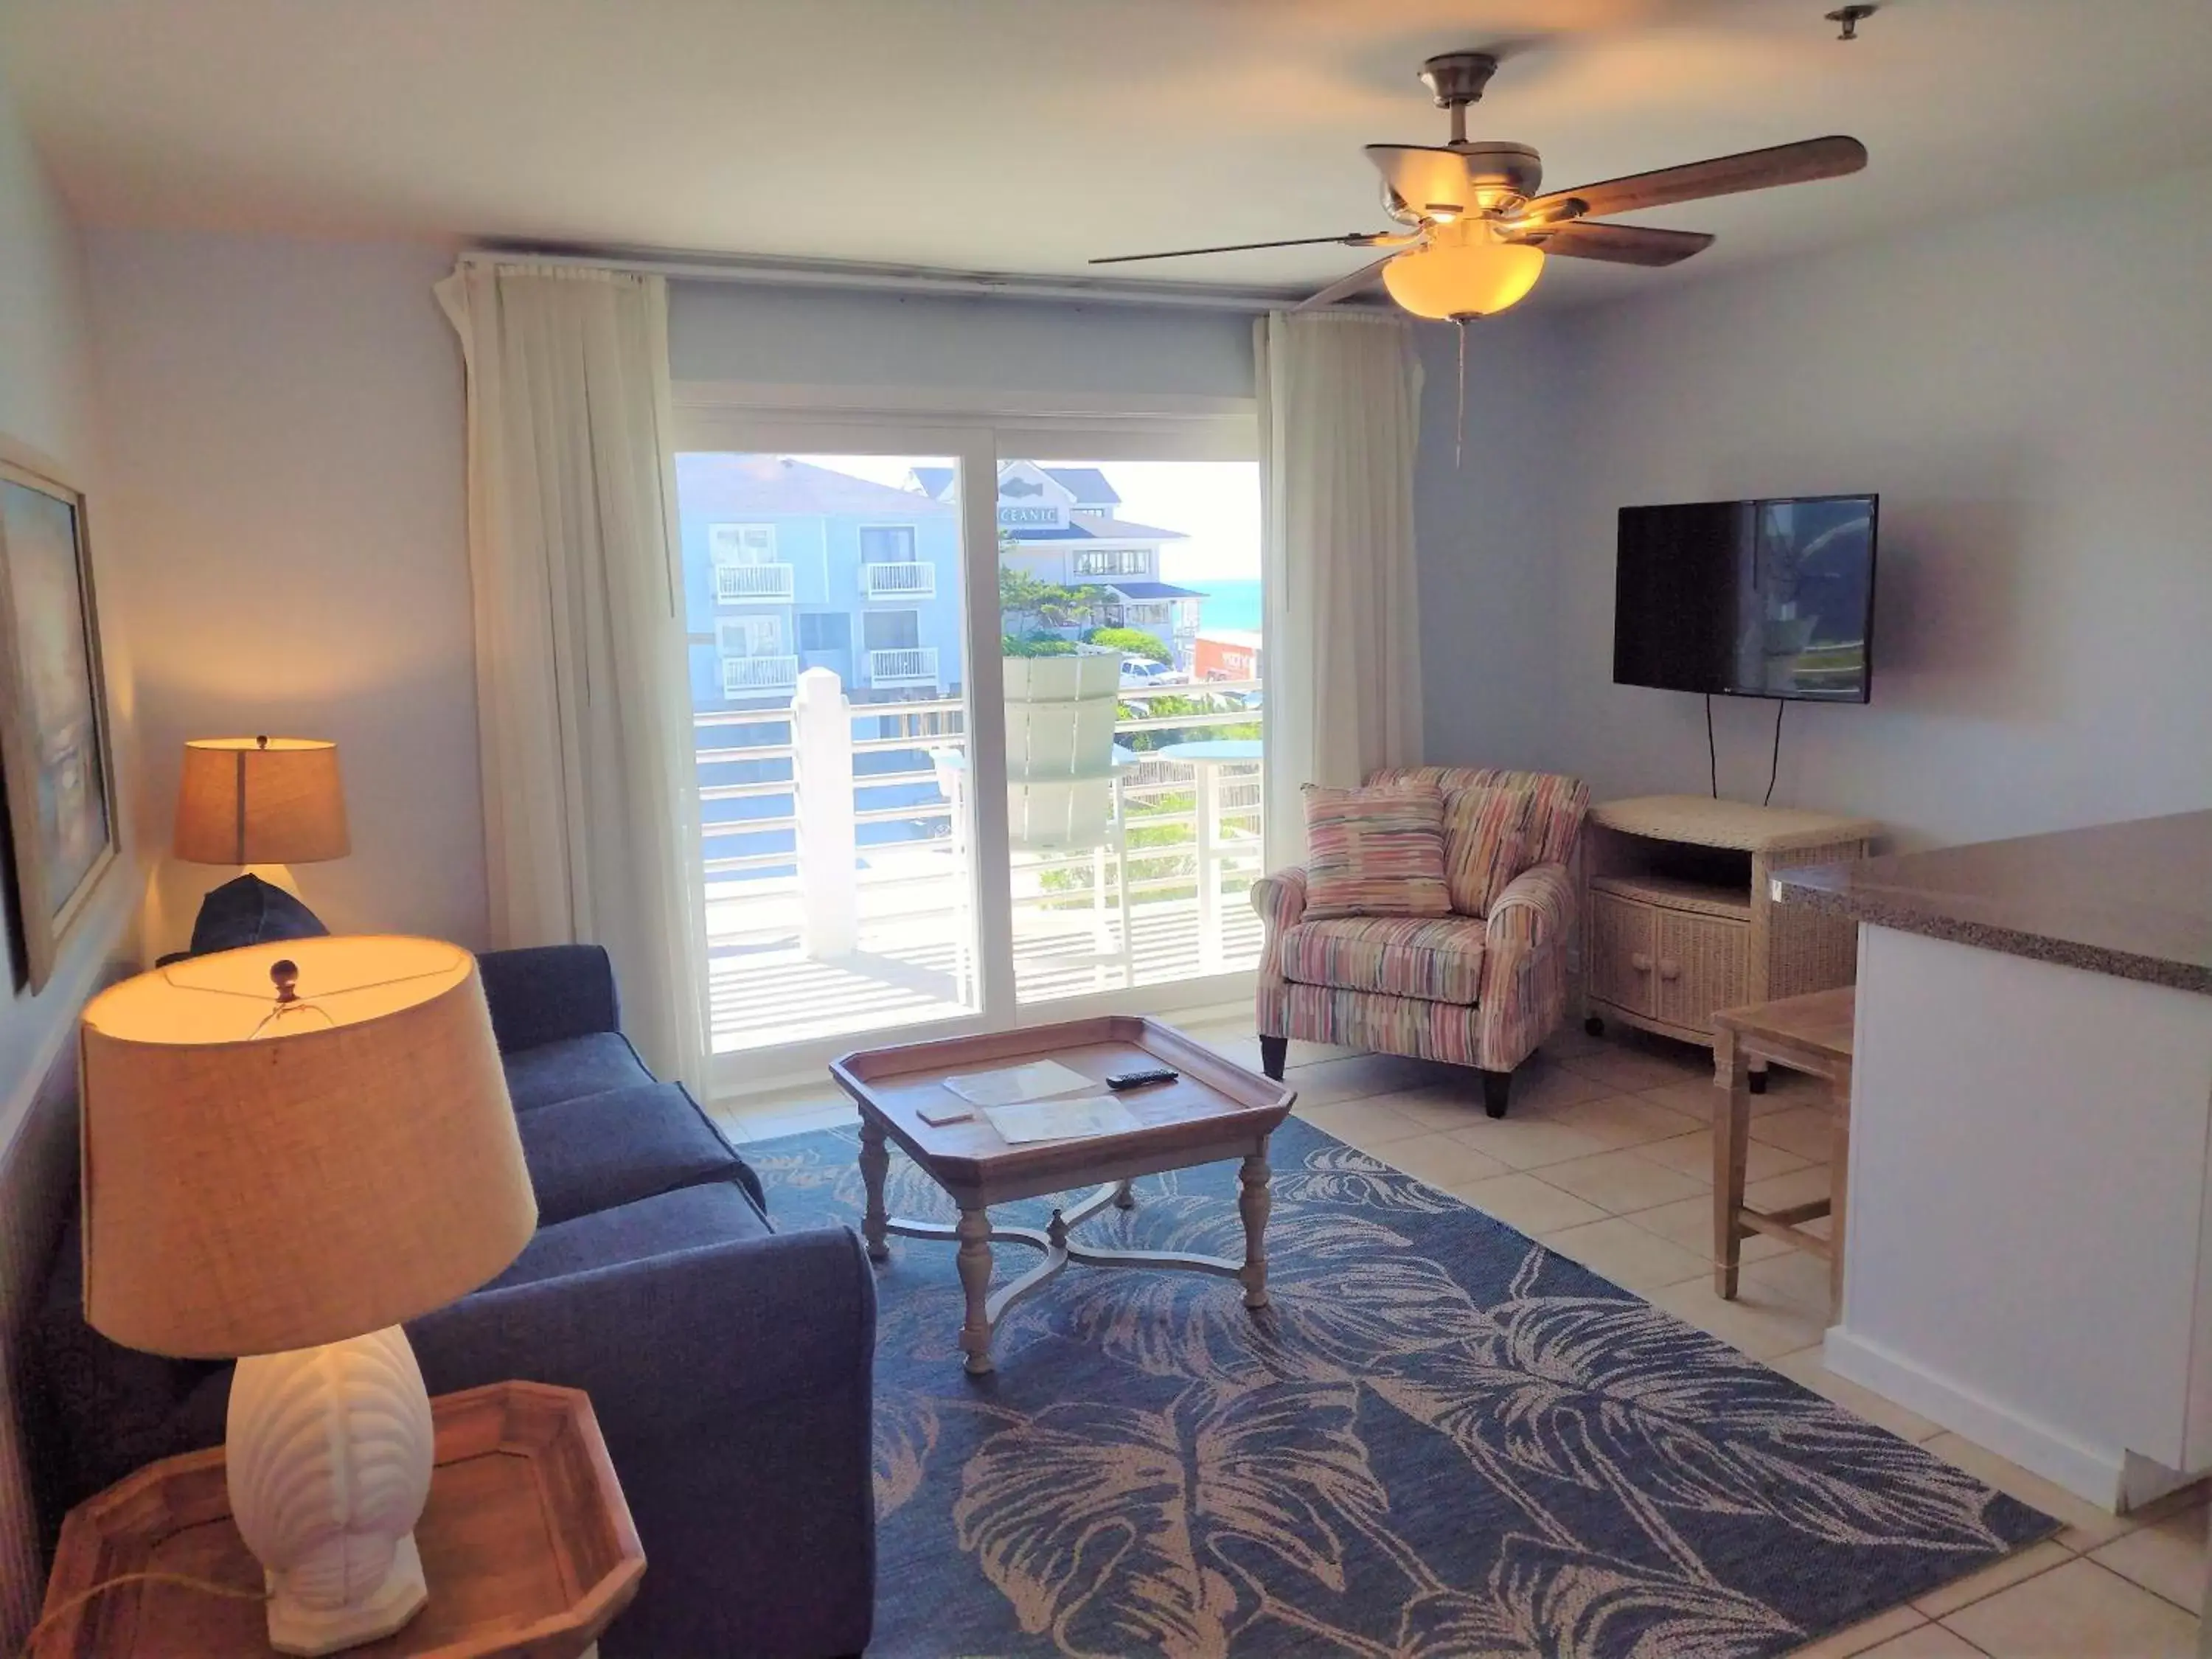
(1050, 516)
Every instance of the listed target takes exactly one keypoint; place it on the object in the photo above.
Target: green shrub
(1042, 603)
(1035, 645)
(1130, 643)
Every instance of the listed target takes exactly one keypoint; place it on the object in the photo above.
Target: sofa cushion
(247, 911)
(1485, 841)
(572, 1067)
(681, 1220)
(99, 1410)
(597, 1151)
(1435, 961)
(1376, 852)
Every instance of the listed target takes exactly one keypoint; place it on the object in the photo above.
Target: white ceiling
(1028, 135)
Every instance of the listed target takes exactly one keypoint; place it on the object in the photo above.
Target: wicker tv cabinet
(1680, 917)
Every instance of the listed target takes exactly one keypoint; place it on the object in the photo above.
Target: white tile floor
(1605, 1158)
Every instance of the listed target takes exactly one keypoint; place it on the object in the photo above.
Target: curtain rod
(904, 279)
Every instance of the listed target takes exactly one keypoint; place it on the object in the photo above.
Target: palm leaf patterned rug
(1441, 1441)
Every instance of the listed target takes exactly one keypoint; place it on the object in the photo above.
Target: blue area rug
(1443, 1440)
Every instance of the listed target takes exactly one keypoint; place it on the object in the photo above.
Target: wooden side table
(1810, 1033)
(527, 1542)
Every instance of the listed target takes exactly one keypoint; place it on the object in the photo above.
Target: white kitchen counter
(2030, 1225)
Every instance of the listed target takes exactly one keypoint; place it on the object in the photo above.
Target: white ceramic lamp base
(329, 1459)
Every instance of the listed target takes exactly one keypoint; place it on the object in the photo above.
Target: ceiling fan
(1476, 230)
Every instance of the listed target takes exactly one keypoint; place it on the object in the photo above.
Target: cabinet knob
(1639, 961)
(1669, 969)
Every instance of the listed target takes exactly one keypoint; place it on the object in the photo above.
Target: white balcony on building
(752, 584)
(907, 580)
(753, 676)
(912, 666)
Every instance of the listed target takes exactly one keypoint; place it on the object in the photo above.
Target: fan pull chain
(1459, 430)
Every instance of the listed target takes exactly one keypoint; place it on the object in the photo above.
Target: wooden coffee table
(1216, 1110)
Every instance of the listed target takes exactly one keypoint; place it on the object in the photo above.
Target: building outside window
(892, 630)
(746, 569)
(749, 637)
(1114, 562)
(887, 544)
(742, 543)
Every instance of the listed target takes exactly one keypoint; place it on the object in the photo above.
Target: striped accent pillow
(1485, 843)
(1376, 852)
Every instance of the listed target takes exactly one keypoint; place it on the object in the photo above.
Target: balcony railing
(906, 580)
(914, 665)
(739, 584)
(1186, 877)
(749, 676)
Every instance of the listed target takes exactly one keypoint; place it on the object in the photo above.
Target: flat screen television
(1766, 599)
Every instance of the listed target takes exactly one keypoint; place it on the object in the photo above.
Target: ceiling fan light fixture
(1463, 270)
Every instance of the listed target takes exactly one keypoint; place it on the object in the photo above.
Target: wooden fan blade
(1357, 239)
(1724, 175)
(1621, 244)
(1344, 287)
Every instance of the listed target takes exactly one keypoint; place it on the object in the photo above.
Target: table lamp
(288, 1149)
(260, 801)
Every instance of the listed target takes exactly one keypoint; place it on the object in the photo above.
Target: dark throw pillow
(249, 911)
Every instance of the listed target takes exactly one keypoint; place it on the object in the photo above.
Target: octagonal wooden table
(1214, 1111)
(527, 1546)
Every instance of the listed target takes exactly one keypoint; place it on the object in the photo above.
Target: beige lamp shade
(261, 1176)
(260, 800)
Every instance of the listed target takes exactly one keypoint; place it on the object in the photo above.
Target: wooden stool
(1812, 1034)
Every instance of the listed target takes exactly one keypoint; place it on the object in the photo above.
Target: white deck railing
(908, 665)
(752, 677)
(737, 584)
(1186, 891)
(908, 580)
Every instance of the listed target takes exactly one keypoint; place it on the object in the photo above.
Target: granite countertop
(2133, 900)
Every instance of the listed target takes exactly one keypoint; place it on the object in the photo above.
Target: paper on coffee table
(1061, 1120)
(1011, 1083)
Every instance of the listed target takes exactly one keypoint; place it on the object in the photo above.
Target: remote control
(1138, 1080)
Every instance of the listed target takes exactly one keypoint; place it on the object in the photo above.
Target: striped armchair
(1470, 990)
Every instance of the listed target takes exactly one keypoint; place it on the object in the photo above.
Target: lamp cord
(1774, 766)
(54, 1615)
(1712, 754)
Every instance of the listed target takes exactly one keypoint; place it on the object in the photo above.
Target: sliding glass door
(979, 735)
(827, 595)
(1129, 598)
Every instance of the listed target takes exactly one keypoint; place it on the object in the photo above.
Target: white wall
(2030, 394)
(1484, 532)
(46, 404)
(47, 408)
(286, 423)
(833, 338)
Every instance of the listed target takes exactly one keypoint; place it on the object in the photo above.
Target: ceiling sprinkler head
(1848, 18)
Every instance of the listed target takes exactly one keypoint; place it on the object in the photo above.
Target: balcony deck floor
(908, 972)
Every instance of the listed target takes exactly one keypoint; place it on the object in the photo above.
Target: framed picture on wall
(54, 744)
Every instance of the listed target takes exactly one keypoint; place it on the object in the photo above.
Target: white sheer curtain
(1339, 416)
(583, 710)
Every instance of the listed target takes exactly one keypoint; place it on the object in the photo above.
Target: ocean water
(1227, 604)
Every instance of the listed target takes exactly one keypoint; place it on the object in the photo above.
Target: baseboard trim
(2098, 1477)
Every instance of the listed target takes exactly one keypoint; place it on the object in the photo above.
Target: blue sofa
(729, 1365)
